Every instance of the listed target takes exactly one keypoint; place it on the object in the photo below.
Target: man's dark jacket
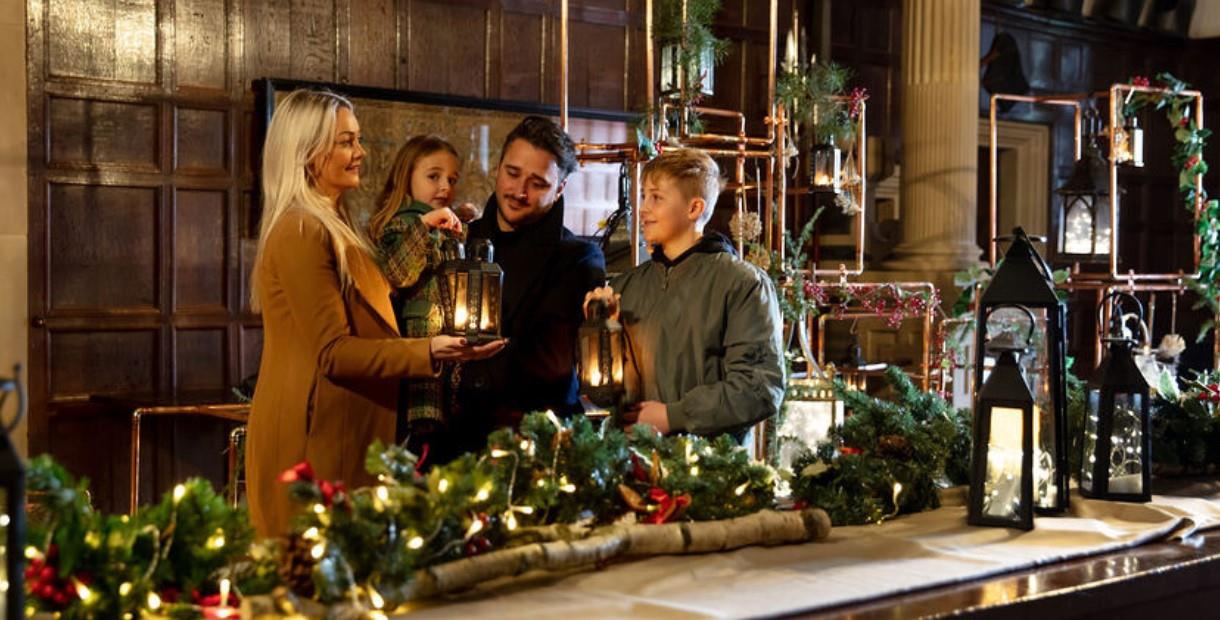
(547, 271)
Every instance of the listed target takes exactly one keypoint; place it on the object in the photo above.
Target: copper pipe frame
(232, 413)
(928, 318)
(563, 64)
(1116, 95)
(860, 194)
(1073, 101)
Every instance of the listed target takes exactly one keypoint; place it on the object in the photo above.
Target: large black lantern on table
(601, 358)
(1002, 464)
(1084, 210)
(12, 502)
(1023, 279)
(470, 291)
(1117, 444)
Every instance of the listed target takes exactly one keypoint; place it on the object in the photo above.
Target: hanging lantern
(1129, 143)
(602, 356)
(1024, 279)
(826, 167)
(700, 70)
(12, 505)
(470, 292)
(1084, 216)
(1117, 444)
(1002, 465)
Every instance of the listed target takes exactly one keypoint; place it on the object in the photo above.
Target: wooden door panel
(102, 247)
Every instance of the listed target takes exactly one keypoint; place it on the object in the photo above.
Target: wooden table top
(1168, 579)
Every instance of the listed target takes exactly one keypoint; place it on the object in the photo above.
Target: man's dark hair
(543, 133)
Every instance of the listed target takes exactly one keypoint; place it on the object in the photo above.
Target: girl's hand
(454, 349)
(467, 212)
(443, 219)
(606, 295)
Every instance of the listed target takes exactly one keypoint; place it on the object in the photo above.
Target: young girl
(412, 213)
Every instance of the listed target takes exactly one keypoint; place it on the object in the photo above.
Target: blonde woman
(332, 355)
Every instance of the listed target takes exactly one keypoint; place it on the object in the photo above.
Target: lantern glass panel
(461, 291)
(1126, 445)
(1078, 226)
(1086, 225)
(489, 316)
(825, 167)
(1036, 367)
(1089, 441)
(1003, 480)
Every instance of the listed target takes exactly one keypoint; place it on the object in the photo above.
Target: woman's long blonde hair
(398, 183)
(302, 130)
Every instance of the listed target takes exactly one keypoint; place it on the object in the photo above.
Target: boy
(703, 324)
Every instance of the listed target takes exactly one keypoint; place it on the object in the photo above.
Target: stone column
(940, 90)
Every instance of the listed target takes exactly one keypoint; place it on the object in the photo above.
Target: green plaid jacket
(411, 258)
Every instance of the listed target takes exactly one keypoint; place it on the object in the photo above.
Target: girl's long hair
(398, 183)
(301, 131)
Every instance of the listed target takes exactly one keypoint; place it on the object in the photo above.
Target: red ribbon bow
(670, 506)
(301, 472)
(329, 490)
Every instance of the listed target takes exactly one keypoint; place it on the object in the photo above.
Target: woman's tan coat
(332, 360)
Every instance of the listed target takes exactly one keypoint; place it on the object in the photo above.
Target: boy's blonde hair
(695, 174)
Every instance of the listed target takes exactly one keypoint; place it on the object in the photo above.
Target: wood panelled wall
(141, 134)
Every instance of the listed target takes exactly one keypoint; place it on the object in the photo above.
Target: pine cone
(296, 566)
(894, 447)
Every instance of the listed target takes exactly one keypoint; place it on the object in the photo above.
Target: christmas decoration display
(1023, 280)
(188, 556)
(1002, 467)
(888, 457)
(369, 544)
(1191, 139)
(1117, 442)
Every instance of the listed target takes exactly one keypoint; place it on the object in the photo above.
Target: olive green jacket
(704, 332)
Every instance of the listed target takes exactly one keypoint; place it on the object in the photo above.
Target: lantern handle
(14, 386)
(1114, 302)
(1033, 323)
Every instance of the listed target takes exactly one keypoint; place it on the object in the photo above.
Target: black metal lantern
(1117, 444)
(1024, 279)
(826, 167)
(602, 357)
(1084, 210)
(470, 292)
(1002, 464)
(12, 502)
(1129, 145)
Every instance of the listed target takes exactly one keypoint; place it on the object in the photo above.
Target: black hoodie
(547, 271)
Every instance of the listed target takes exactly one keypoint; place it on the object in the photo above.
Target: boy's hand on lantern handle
(608, 296)
(443, 219)
(650, 413)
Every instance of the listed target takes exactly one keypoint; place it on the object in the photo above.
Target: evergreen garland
(369, 543)
(1190, 140)
(168, 557)
(888, 457)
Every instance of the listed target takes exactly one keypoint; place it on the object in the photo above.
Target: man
(547, 271)
(703, 324)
